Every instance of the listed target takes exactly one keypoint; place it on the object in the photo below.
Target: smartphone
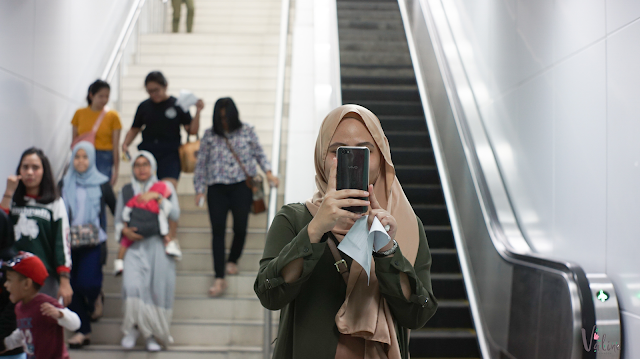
(353, 172)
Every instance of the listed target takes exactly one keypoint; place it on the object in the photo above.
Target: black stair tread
(389, 87)
(429, 206)
(443, 251)
(446, 276)
(427, 167)
(421, 186)
(438, 228)
(368, 6)
(443, 333)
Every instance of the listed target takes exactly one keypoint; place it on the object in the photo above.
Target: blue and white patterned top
(216, 164)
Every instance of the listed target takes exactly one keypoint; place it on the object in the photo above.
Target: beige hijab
(364, 318)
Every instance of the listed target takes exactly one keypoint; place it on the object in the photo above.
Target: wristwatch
(388, 252)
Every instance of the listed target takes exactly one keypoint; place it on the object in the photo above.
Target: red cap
(29, 266)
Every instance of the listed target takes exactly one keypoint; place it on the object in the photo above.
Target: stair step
(404, 123)
(198, 307)
(374, 58)
(200, 219)
(380, 93)
(435, 215)
(452, 343)
(409, 138)
(190, 332)
(423, 193)
(389, 73)
(194, 283)
(368, 6)
(448, 286)
(416, 175)
(205, 39)
(201, 239)
(439, 237)
(451, 314)
(201, 260)
(444, 261)
(412, 156)
(393, 108)
(371, 35)
(181, 351)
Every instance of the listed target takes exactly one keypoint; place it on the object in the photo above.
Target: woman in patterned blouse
(219, 174)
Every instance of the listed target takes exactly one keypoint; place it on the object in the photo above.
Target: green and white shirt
(43, 229)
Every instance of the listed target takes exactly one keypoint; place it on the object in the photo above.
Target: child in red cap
(149, 218)
(40, 318)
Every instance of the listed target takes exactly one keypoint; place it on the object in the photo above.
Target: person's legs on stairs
(176, 14)
(240, 207)
(218, 204)
(190, 13)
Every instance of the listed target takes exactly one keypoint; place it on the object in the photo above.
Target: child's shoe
(118, 267)
(173, 249)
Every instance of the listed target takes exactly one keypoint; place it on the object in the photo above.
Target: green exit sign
(602, 296)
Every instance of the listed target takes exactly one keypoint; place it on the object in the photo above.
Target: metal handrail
(123, 39)
(275, 150)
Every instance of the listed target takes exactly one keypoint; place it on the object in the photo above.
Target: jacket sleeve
(61, 237)
(117, 217)
(200, 173)
(285, 244)
(422, 304)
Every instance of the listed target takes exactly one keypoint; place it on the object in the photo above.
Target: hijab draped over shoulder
(365, 313)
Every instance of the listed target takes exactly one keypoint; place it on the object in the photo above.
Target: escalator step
(369, 24)
(403, 123)
(377, 46)
(382, 93)
(371, 35)
(444, 261)
(451, 314)
(448, 286)
(444, 344)
(423, 193)
(394, 108)
(388, 73)
(413, 156)
(439, 237)
(413, 175)
(374, 58)
(432, 215)
(409, 138)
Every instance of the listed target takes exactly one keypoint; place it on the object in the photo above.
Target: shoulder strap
(96, 125)
(236, 157)
(127, 193)
(341, 264)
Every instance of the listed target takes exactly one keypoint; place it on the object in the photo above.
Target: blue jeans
(104, 162)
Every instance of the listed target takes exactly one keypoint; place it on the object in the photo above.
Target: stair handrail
(122, 41)
(427, 38)
(275, 150)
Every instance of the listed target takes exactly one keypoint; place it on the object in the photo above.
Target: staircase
(232, 52)
(377, 73)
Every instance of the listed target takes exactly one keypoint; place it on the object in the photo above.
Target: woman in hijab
(149, 275)
(335, 315)
(86, 192)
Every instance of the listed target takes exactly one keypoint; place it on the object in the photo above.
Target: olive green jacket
(309, 305)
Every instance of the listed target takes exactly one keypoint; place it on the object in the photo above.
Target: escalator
(498, 297)
(376, 72)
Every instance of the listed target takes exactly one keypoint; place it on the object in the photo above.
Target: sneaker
(152, 345)
(129, 340)
(173, 249)
(118, 267)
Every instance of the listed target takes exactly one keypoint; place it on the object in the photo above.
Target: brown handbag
(189, 155)
(254, 183)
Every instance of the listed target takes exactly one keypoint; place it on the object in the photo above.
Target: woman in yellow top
(108, 135)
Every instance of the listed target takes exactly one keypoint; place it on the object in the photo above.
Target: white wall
(558, 87)
(51, 52)
(315, 90)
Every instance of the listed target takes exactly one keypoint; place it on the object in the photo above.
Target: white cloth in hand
(186, 99)
(359, 242)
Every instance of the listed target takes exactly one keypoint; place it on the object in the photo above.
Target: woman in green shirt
(322, 314)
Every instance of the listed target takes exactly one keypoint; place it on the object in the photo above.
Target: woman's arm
(284, 246)
(131, 135)
(74, 133)
(115, 138)
(406, 287)
(109, 197)
(117, 217)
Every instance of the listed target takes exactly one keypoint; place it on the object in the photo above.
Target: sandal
(78, 341)
(219, 286)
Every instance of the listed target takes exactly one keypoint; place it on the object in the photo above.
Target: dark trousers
(221, 198)
(86, 282)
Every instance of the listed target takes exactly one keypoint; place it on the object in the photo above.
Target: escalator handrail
(570, 271)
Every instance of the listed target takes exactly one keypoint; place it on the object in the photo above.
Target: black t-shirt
(161, 123)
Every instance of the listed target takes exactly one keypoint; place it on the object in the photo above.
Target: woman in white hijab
(149, 275)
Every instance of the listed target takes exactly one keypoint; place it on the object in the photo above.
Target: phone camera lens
(347, 151)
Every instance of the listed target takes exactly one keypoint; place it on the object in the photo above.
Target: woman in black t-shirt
(159, 120)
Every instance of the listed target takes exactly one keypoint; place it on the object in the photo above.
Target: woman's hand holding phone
(331, 210)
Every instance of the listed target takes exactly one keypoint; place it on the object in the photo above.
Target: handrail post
(275, 151)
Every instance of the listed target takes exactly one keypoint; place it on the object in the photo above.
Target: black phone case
(353, 172)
